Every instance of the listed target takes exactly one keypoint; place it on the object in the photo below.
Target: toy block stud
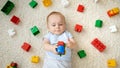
(35, 59)
(47, 3)
(26, 46)
(81, 53)
(98, 45)
(78, 28)
(33, 4)
(7, 7)
(61, 43)
(15, 20)
(35, 30)
(98, 23)
(80, 8)
(113, 28)
(65, 3)
(113, 12)
(11, 32)
(111, 63)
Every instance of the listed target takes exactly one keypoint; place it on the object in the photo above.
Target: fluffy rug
(10, 47)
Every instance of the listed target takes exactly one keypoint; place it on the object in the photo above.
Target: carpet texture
(10, 47)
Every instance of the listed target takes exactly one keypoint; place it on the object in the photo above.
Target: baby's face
(56, 24)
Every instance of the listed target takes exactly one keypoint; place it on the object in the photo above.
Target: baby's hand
(54, 49)
(70, 43)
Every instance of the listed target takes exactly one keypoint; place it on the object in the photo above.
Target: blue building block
(7, 7)
(61, 50)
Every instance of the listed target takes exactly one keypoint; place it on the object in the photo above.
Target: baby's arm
(49, 47)
(71, 43)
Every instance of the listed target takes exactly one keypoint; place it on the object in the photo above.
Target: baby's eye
(60, 24)
(53, 25)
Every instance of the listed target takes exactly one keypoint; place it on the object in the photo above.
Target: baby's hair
(55, 13)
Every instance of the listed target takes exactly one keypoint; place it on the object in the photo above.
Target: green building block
(35, 30)
(98, 23)
(33, 4)
(7, 7)
(81, 53)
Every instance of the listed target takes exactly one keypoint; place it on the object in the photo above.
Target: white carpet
(10, 47)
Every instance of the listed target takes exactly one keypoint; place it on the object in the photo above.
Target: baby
(56, 25)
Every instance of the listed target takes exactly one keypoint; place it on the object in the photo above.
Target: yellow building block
(35, 59)
(47, 3)
(116, 10)
(8, 66)
(111, 63)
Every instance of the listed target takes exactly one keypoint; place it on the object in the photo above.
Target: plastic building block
(7, 7)
(98, 45)
(35, 59)
(61, 43)
(33, 4)
(61, 48)
(113, 12)
(111, 63)
(78, 28)
(26, 46)
(80, 8)
(113, 28)
(35, 30)
(98, 23)
(47, 3)
(65, 3)
(12, 65)
(15, 20)
(81, 53)
(11, 32)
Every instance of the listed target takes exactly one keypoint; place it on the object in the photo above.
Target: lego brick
(98, 45)
(13, 64)
(65, 3)
(35, 59)
(61, 43)
(11, 32)
(111, 63)
(7, 8)
(26, 46)
(60, 50)
(80, 8)
(113, 28)
(81, 53)
(113, 12)
(33, 4)
(78, 28)
(15, 20)
(47, 3)
(98, 23)
(35, 30)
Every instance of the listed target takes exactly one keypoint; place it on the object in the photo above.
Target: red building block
(78, 28)
(80, 8)
(15, 20)
(13, 64)
(98, 45)
(60, 43)
(26, 46)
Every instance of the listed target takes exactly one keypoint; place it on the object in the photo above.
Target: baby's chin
(58, 33)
